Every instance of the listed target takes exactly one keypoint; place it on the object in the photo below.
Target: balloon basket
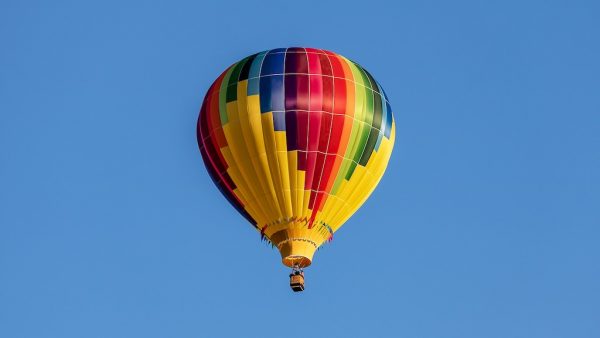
(297, 280)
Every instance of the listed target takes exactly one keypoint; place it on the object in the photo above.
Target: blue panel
(253, 86)
(256, 64)
(272, 94)
(388, 121)
(279, 120)
(379, 138)
(383, 127)
(273, 64)
(253, 81)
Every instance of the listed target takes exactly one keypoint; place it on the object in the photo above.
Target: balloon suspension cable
(297, 269)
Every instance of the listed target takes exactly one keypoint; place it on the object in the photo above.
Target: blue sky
(488, 216)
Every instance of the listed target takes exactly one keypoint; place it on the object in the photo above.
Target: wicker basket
(297, 282)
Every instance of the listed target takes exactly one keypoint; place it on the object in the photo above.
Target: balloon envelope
(296, 139)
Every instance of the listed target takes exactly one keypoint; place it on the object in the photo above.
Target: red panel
(336, 65)
(336, 89)
(302, 141)
(314, 129)
(318, 172)
(313, 50)
(296, 92)
(325, 129)
(331, 174)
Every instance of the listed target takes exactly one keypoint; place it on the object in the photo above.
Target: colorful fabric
(296, 138)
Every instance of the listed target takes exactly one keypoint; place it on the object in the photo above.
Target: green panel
(366, 129)
(223, 97)
(360, 98)
(374, 133)
(233, 80)
(340, 176)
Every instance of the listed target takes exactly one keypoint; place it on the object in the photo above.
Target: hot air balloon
(296, 139)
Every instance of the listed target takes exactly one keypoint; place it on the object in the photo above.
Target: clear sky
(488, 218)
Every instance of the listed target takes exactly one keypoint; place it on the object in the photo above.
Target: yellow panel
(241, 159)
(375, 169)
(245, 193)
(282, 159)
(281, 143)
(300, 177)
(333, 203)
(275, 179)
(248, 109)
(293, 178)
